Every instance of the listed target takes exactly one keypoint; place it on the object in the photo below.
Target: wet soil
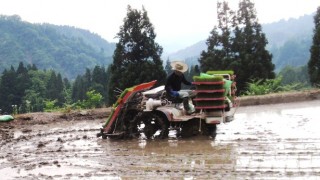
(278, 140)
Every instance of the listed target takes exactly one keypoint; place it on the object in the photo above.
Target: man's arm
(185, 81)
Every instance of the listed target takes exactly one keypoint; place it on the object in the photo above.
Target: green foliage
(261, 87)
(50, 105)
(31, 90)
(314, 62)
(137, 57)
(33, 101)
(93, 100)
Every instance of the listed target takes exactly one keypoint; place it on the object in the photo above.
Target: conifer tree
(55, 88)
(78, 90)
(253, 61)
(192, 71)
(168, 67)
(7, 90)
(100, 80)
(23, 83)
(137, 57)
(219, 54)
(314, 62)
(51, 84)
(239, 44)
(60, 90)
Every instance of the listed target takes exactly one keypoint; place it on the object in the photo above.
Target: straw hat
(179, 66)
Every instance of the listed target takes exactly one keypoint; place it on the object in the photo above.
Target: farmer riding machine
(147, 112)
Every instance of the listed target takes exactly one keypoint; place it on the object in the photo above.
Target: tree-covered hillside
(290, 41)
(94, 40)
(67, 50)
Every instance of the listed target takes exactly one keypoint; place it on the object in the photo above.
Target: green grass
(207, 78)
(230, 72)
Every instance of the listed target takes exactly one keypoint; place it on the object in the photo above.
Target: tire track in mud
(264, 142)
(31, 152)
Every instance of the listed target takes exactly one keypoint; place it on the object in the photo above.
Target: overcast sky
(178, 23)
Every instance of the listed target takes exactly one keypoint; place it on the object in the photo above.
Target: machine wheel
(189, 128)
(149, 129)
(149, 124)
(212, 131)
(104, 136)
(162, 126)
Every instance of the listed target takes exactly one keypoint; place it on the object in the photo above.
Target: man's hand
(174, 93)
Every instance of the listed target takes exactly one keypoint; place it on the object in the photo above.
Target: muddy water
(264, 142)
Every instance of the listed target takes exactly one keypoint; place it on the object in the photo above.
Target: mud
(279, 141)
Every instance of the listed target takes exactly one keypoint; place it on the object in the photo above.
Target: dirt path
(266, 141)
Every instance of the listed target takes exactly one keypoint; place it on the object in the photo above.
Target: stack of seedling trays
(210, 92)
(229, 82)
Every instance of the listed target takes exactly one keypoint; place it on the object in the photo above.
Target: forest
(56, 71)
(67, 50)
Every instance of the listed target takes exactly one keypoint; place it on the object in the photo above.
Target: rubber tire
(212, 131)
(159, 124)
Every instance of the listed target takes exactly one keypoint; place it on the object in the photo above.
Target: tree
(55, 89)
(7, 90)
(252, 60)
(81, 85)
(168, 67)
(60, 90)
(238, 43)
(219, 52)
(78, 89)
(100, 81)
(67, 92)
(192, 71)
(23, 83)
(137, 57)
(33, 101)
(314, 62)
(94, 99)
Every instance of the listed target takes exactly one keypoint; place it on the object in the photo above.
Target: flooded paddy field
(280, 141)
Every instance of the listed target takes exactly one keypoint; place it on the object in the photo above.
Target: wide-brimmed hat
(179, 66)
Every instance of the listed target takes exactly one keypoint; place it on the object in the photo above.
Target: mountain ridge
(280, 35)
(67, 50)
